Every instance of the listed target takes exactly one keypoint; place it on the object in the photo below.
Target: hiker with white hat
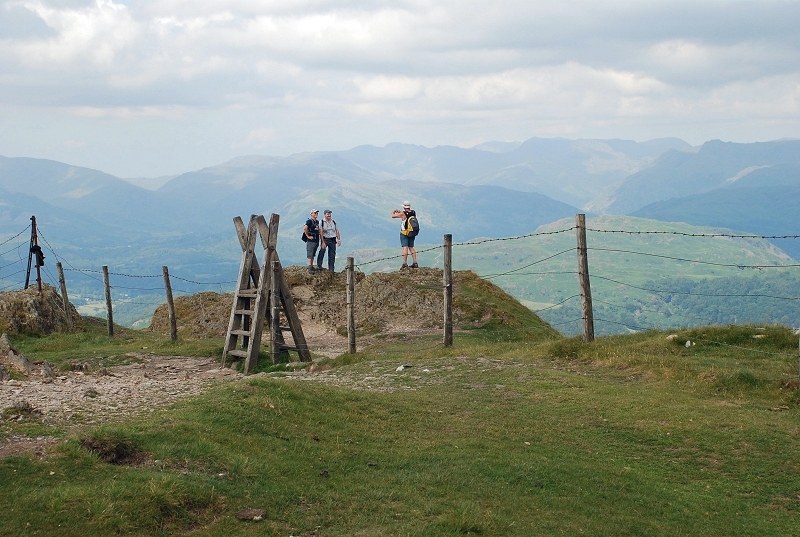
(408, 232)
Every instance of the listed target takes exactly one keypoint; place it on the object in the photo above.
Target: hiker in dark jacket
(311, 231)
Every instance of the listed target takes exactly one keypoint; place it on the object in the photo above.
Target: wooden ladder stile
(257, 285)
(237, 340)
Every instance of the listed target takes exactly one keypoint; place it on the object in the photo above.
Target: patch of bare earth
(401, 303)
(398, 305)
(76, 398)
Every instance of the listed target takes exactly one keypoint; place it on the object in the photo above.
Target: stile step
(247, 293)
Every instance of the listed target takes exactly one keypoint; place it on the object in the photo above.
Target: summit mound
(402, 303)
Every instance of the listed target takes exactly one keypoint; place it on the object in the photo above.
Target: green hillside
(511, 431)
(643, 273)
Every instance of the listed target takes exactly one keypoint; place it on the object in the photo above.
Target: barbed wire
(529, 235)
(136, 288)
(735, 265)
(9, 286)
(228, 282)
(11, 264)
(17, 247)
(397, 256)
(686, 234)
(490, 276)
(15, 236)
(562, 323)
(518, 271)
(40, 235)
(556, 305)
(611, 304)
(673, 292)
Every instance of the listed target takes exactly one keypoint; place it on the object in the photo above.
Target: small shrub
(738, 381)
(792, 389)
(20, 410)
(113, 447)
(565, 348)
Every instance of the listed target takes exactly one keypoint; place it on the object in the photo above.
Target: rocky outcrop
(33, 312)
(10, 359)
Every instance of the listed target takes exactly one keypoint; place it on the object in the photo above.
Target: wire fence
(640, 279)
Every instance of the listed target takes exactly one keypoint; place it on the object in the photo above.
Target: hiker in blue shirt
(311, 233)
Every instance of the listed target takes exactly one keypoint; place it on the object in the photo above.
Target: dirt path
(78, 398)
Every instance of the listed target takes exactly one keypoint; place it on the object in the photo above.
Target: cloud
(328, 74)
(92, 35)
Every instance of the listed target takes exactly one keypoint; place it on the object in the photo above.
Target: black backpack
(312, 228)
(413, 225)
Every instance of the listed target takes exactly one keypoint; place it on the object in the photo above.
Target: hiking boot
(403, 266)
(414, 265)
(320, 268)
(311, 270)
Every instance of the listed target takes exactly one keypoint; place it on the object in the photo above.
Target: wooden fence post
(583, 279)
(351, 317)
(109, 312)
(63, 284)
(275, 310)
(447, 274)
(173, 322)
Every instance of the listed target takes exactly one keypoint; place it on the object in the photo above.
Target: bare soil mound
(76, 398)
(408, 301)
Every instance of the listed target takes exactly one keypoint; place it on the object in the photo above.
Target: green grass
(498, 435)
(92, 345)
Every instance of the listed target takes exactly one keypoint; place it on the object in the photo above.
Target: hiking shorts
(406, 241)
(311, 248)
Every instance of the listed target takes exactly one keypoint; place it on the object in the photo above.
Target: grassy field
(508, 433)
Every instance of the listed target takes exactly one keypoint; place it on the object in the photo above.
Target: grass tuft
(113, 446)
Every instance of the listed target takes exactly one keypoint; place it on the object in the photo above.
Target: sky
(160, 87)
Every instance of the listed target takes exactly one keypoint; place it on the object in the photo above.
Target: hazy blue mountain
(16, 210)
(495, 190)
(109, 221)
(571, 171)
(680, 174)
(760, 210)
(99, 196)
(575, 171)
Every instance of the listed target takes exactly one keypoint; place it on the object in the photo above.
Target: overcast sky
(156, 87)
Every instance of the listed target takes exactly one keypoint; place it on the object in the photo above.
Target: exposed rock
(10, 358)
(32, 312)
(250, 514)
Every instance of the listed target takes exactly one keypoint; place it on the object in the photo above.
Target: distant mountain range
(493, 190)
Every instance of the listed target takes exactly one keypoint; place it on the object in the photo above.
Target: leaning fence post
(351, 317)
(583, 279)
(109, 313)
(173, 323)
(447, 274)
(63, 284)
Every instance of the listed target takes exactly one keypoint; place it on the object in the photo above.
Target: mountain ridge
(506, 189)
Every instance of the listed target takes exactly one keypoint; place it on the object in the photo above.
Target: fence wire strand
(513, 272)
